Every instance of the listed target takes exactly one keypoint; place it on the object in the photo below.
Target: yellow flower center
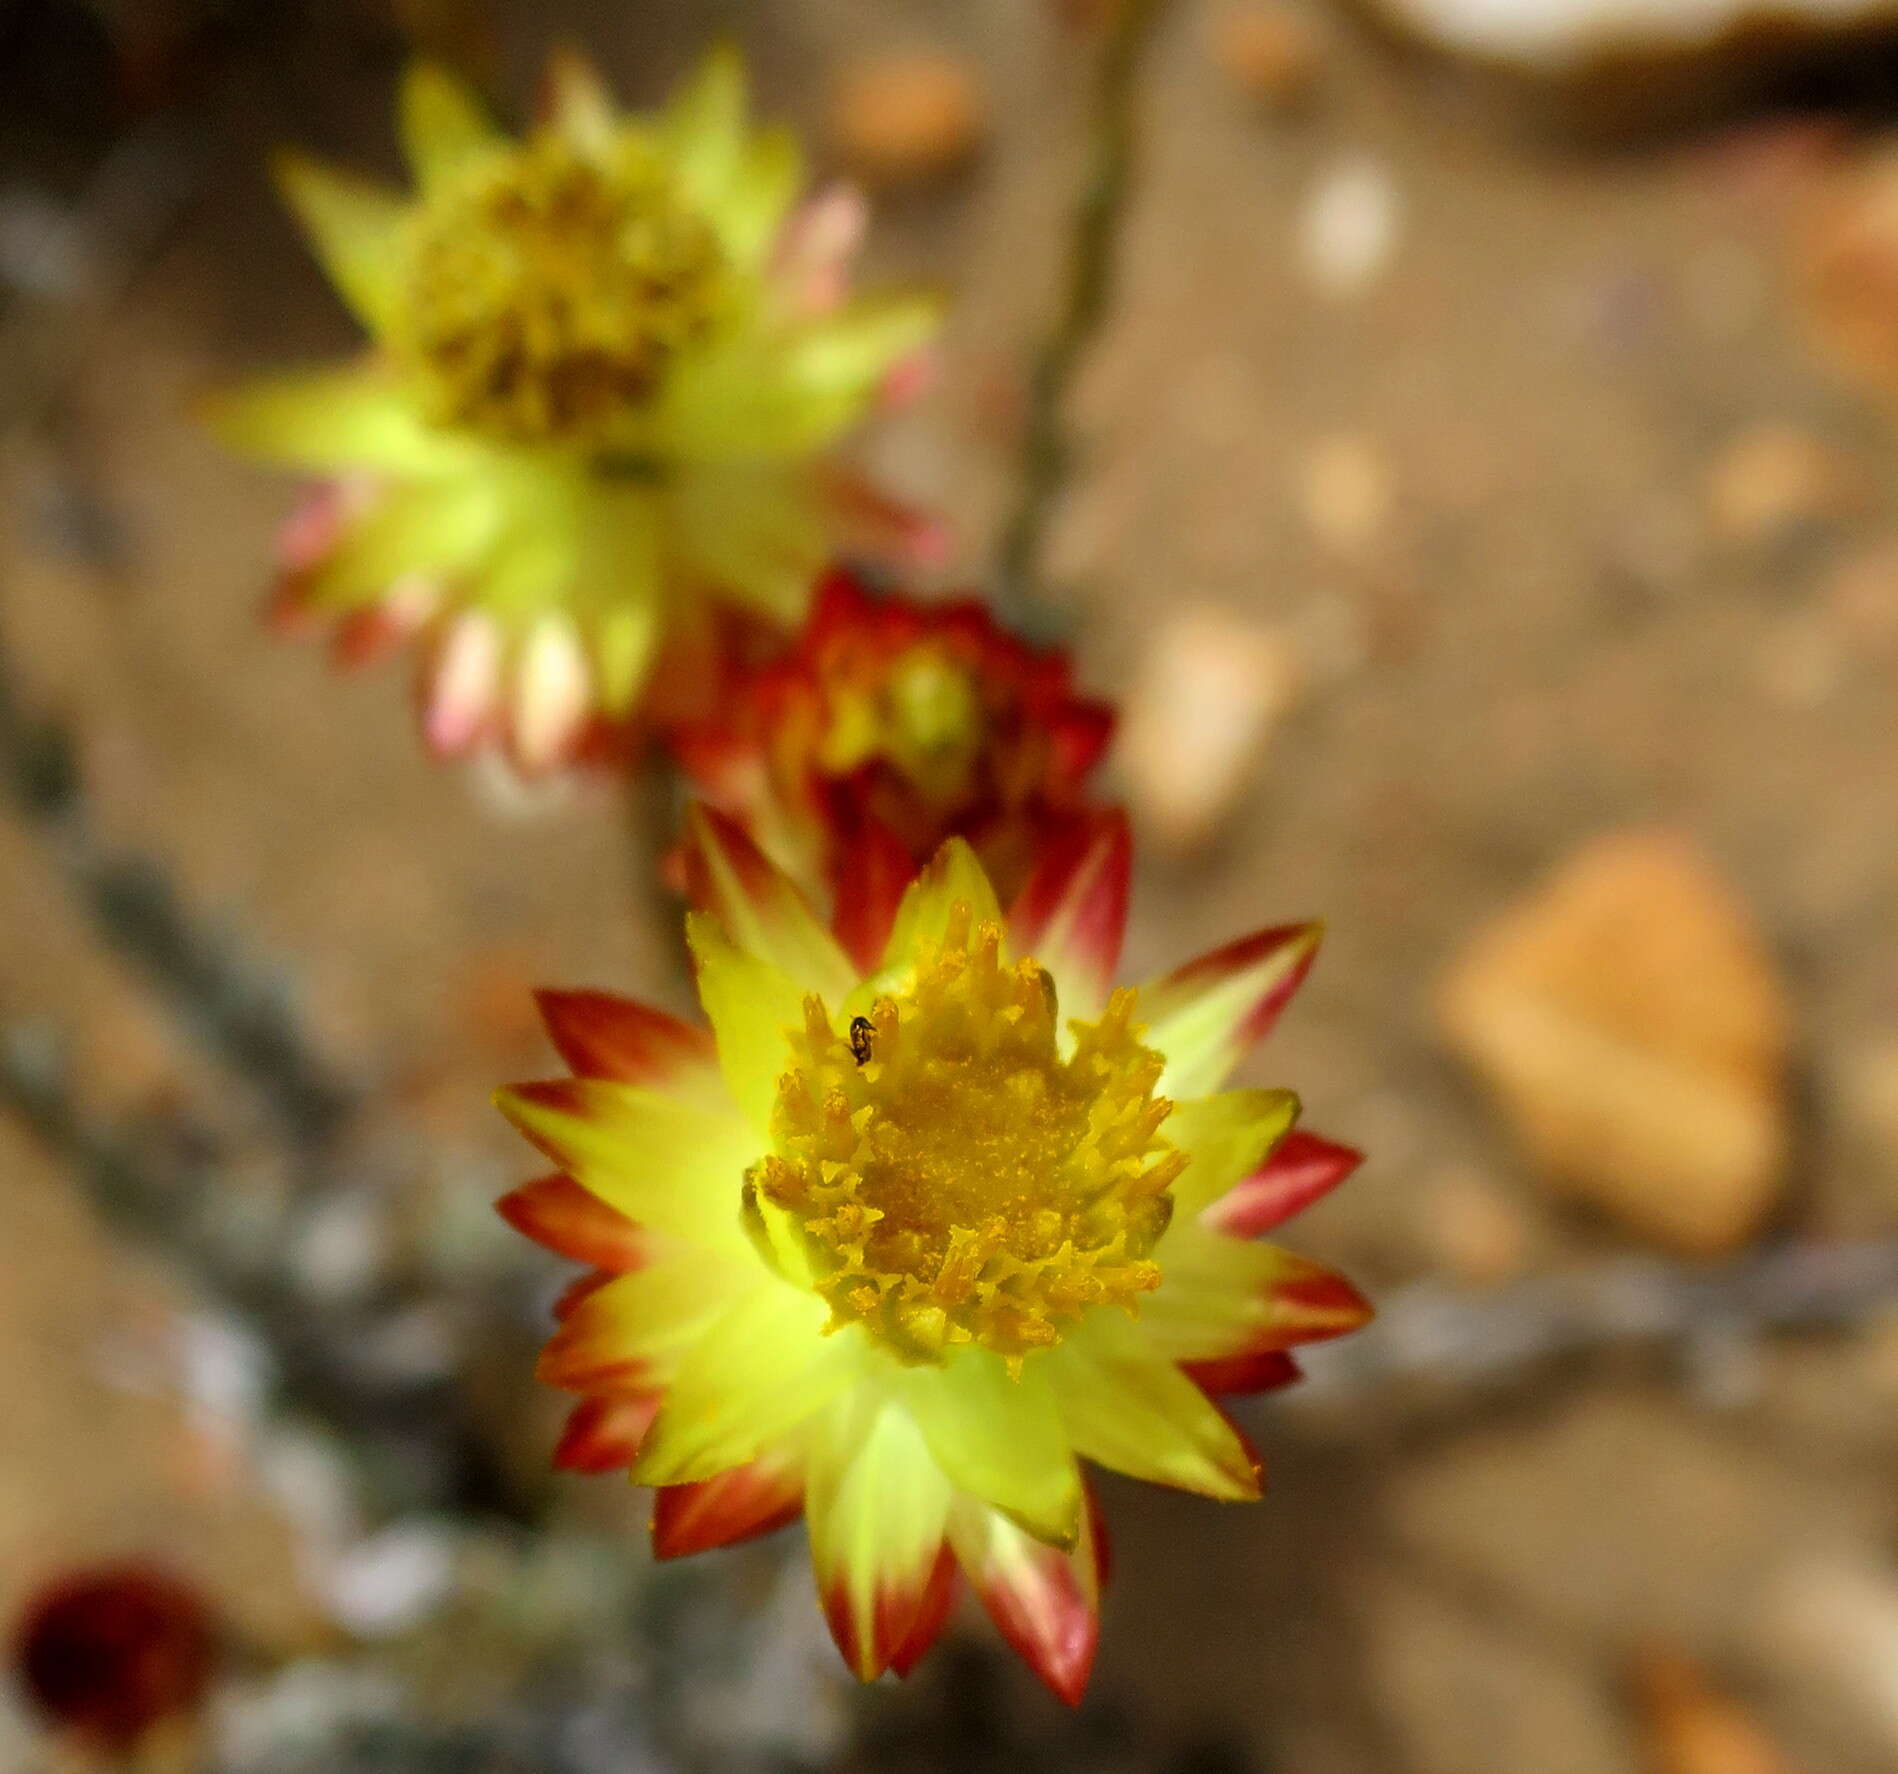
(953, 1174)
(548, 288)
(924, 716)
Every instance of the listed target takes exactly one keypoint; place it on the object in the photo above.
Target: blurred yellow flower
(901, 1247)
(608, 360)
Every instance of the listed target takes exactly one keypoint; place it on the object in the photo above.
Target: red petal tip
(602, 1035)
(872, 872)
(556, 1212)
(939, 1598)
(1302, 1168)
(742, 1504)
(603, 1434)
(1264, 1370)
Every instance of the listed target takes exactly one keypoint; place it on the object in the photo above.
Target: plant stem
(1047, 453)
(225, 1000)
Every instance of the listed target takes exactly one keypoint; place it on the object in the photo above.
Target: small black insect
(860, 1032)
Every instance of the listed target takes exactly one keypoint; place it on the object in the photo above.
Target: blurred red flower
(890, 727)
(112, 1651)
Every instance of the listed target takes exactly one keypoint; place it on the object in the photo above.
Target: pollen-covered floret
(548, 287)
(969, 1180)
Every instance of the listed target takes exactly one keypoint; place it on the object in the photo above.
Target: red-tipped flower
(898, 1244)
(890, 727)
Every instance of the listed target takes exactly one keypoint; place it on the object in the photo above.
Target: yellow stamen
(966, 1182)
(548, 287)
(923, 715)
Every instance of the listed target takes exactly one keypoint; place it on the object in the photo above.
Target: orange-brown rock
(1269, 53)
(1630, 1024)
(1846, 269)
(1690, 1727)
(1198, 720)
(907, 117)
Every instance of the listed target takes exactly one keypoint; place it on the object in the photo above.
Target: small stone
(393, 1580)
(1269, 54)
(1861, 595)
(1629, 1022)
(1573, 38)
(1801, 661)
(1864, 1087)
(1610, 1511)
(1771, 480)
(907, 117)
(1846, 269)
(1210, 692)
(1460, 1688)
(1827, 1624)
(1875, 1351)
(131, 1054)
(1349, 493)
(1473, 1230)
(1348, 228)
(1691, 1727)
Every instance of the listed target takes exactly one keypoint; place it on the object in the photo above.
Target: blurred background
(1464, 443)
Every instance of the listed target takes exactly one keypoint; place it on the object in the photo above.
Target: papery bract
(608, 361)
(890, 726)
(903, 1243)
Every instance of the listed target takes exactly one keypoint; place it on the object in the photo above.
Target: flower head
(889, 727)
(899, 1246)
(109, 1653)
(608, 359)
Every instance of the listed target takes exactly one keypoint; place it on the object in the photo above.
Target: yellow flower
(607, 361)
(904, 1248)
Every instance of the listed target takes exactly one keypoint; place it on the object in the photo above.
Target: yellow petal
(348, 416)
(578, 101)
(673, 1165)
(952, 877)
(1226, 1137)
(617, 594)
(553, 692)
(753, 531)
(1045, 1602)
(427, 529)
(843, 357)
(531, 565)
(618, 525)
(780, 395)
(703, 127)
(768, 177)
(1134, 1411)
(877, 1506)
(750, 1382)
(624, 641)
(762, 911)
(752, 1006)
(445, 126)
(1221, 1296)
(633, 1333)
(1205, 1015)
(355, 227)
(1001, 1439)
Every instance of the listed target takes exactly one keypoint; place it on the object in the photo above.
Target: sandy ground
(1538, 632)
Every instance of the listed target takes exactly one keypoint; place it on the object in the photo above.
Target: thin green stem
(1047, 453)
